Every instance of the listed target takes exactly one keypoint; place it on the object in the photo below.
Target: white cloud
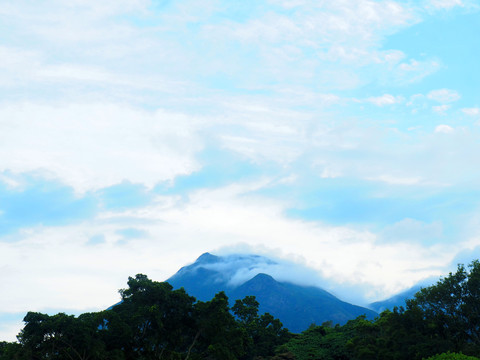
(17, 66)
(385, 99)
(215, 219)
(92, 145)
(75, 72)
(108, 7)
(444, 95)
(471, 111)
(74, 24)
(10, 181)
(444, 129)
(330, 173)
(416, 100)
(394, 180)
(345, 22)
(391, 56)
(412, 71)
(441, 109)
(445, 4)
(324, 43)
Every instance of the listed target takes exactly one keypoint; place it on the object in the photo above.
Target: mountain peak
(207, 258)
(263, 278)
(241, 275)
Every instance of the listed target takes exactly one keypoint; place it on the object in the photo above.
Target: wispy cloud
(444, 95)
(398, 180)
(441, 109)
(413, 71)
(386, 99)
(471, 111)
(445, 4)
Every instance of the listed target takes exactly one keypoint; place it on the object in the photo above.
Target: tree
(12, 351)
(325, 342)
(264, 333)
(452, 356)
(153, 320)
(246, 310)
(451, 308)
(61, 336)
(218, 335)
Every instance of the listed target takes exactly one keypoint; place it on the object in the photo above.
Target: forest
(154, 321)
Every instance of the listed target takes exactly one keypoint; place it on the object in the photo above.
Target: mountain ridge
(297, 306)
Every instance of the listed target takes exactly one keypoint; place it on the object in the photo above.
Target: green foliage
(320, 342)
(220, 336)
(11, 351)
(61, 336)
(451, 356)
(246, 310)
(152, 321)
(441, 318)
(264, 333)
(451, 310)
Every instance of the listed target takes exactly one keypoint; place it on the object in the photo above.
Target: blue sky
(137, 134)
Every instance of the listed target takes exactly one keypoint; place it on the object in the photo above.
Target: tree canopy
(154, 321)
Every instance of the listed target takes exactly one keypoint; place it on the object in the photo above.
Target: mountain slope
(394, 301)
(296, 306)
(400, 299)
(199, 280)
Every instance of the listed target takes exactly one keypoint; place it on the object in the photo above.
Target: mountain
(298, 306)
(240, 275)
(394, 301)
(400, 299)
(199, 280)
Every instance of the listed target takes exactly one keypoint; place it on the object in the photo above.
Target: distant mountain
(400, 299)
(396, 300)
(199, 280)
(239, 275)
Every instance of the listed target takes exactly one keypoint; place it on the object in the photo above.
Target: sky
(338, 136)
